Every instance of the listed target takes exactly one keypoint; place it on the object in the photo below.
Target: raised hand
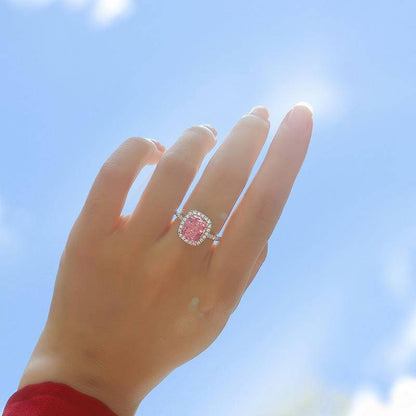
(132, 300)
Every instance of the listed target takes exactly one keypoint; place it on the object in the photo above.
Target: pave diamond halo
(195, 227)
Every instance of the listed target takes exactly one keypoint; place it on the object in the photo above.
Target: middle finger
(226, 175)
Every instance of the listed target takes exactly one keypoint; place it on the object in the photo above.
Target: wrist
(84, 377)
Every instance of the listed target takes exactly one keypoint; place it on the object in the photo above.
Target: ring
(195, 227)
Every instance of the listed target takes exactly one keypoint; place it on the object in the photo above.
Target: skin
(132, 301)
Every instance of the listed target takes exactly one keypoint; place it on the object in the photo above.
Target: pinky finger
(106, 198)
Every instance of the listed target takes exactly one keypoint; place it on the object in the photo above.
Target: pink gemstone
(193, 227)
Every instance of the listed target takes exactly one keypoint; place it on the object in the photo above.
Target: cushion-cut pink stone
(193, 227)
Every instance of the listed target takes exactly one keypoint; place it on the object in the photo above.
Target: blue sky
(332, 313)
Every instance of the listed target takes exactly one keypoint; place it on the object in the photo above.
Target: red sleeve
(54, 399)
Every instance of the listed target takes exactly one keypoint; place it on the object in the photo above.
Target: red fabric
(54, 399)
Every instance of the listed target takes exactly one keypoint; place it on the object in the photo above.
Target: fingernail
(158, 145)
(260, 111)
(300, 115)
(208, 126)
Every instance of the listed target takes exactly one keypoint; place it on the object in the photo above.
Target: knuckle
(174, 163)
(229, 176)
(112, 172)
(267, 206)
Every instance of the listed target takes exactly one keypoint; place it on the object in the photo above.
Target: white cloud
(402, 401)
(398, 266)
(103, 12)
(403, 352)
(399, 350)
(398, 273)
(285, 378)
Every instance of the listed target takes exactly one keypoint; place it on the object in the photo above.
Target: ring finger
(170, 182)
(226, 175)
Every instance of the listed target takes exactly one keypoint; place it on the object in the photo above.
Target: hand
(132, 301)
